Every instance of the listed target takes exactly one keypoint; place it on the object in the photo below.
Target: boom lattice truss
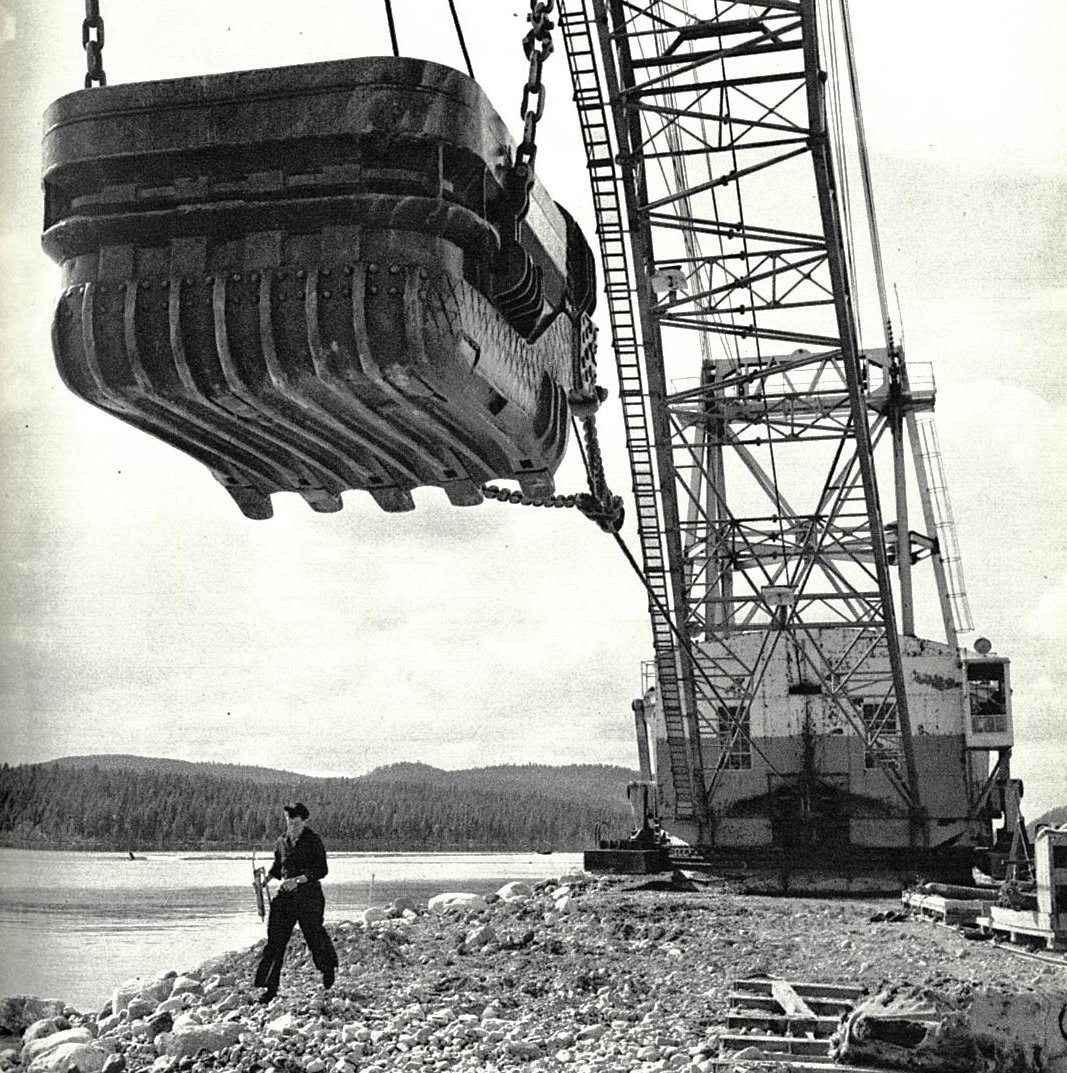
(751, 410)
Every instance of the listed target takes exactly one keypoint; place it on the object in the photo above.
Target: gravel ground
(588, 975)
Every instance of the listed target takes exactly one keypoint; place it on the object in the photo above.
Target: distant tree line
(404, 807)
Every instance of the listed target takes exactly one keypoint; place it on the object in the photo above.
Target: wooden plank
(781, 1023)
(753, 1001)
(776, 1044)
(762, 985)
(947, 910)
(795, 1065)
(786, 997)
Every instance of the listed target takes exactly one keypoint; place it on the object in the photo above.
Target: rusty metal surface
(306, 279)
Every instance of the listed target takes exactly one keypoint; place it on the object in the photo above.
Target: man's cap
(297, 808)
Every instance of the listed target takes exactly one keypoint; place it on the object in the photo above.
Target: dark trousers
(304, 906)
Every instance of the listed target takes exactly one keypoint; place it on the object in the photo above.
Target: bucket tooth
(463, 493)
(321, 501)
(253, 505)
(393, 500)
(536, 483)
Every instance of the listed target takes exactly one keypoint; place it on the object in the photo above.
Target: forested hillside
(132, 803)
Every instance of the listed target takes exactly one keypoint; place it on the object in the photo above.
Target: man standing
(299, 862)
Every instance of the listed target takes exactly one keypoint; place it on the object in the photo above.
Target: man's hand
(289, 884)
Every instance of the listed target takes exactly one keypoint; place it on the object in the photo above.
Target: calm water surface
(73, 925)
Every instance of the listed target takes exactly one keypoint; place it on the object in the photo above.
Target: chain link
(598, 504)
(93, 43)
(537, 45)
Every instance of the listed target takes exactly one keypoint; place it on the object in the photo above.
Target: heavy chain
(93, 43)
(537, 45)
(598, 504)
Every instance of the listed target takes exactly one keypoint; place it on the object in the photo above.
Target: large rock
(152, 992)
(515, 892)
(66, 1057)
(159, 1022)
(441, 903)
(573, 879)
(185, 985)
(106, 1024)
(37, 1047)
(190, 1039)
(480, 937)
(140, 1007)
(47, 1026)
(18, 1013)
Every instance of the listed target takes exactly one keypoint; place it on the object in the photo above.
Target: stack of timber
(785, 1022)
(1040, 917)
(949, 903)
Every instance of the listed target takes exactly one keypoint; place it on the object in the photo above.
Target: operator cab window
(988, 697)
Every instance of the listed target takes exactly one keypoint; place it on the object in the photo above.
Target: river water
(73, 925)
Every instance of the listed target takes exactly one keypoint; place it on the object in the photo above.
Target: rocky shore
(590, 975)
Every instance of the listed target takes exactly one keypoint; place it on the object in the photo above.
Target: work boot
(327, 977)
(267, 996)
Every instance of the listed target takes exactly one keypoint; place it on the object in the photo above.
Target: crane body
(347, 275)
(796, 717)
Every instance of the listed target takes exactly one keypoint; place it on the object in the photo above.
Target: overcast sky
(143, 614)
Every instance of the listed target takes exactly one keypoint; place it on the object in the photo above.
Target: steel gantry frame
(751, 410)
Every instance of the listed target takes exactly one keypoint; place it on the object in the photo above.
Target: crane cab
(313, 279)
(987, 701)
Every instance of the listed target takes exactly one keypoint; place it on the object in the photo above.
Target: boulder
(160, 1021)
(139, 1008)
(479, 937)
(215, 983)
(373, 915)
(573, 879)
(37, 1047)
(79, 1057)
(106, 1024)
(189, 1039)
(47, 1026)
(441, 903)
(18, 1013)
(186, 985)
(151, 991)
(515, 892)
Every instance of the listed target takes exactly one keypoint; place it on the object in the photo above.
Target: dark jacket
(305, 857)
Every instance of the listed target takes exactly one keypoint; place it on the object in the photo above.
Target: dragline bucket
(315, 278)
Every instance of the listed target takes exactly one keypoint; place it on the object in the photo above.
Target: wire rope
(392, 26)
(459, 35)
(865, 170)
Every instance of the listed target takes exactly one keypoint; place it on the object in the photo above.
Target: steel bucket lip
(319, 75)
(274, 114)
(324, 99)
